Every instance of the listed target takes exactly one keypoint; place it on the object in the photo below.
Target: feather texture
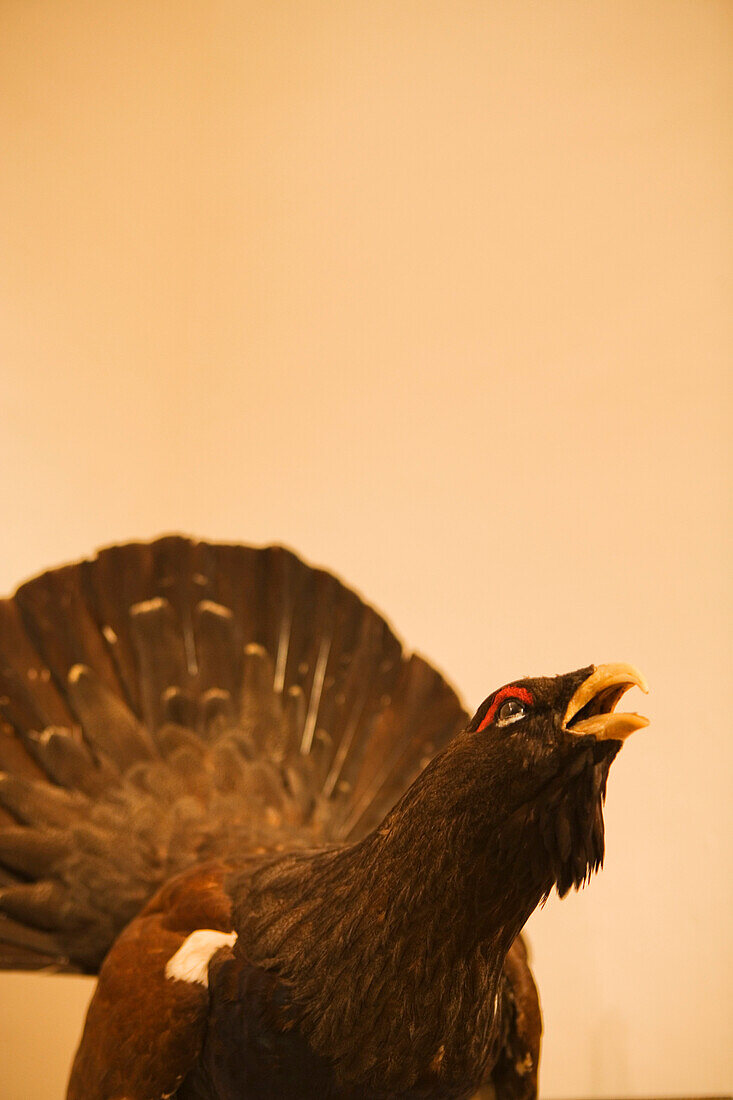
(166, 702)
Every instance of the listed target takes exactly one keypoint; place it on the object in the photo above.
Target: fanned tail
(172, 701)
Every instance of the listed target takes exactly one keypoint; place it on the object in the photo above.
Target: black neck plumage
(393, 947)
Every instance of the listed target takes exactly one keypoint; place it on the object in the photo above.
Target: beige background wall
(438, 294)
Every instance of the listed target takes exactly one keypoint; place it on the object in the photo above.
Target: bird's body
(240, 1035)
(299, 868)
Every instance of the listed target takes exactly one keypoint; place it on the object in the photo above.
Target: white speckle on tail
(191, 961)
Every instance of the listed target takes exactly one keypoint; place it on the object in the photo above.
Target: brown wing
(144, 1031)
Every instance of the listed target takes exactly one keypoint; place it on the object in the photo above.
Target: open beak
(590, 711)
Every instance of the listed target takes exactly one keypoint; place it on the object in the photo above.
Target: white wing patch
(191, 961)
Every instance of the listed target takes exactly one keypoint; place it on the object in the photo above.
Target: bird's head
(520, 792)
(578, 704)
(547, 745)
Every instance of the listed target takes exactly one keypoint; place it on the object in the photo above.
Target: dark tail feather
(167, 702)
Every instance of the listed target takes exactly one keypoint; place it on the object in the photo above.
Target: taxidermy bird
(297, 865)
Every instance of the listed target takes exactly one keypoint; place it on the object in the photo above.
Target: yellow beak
(597, 696)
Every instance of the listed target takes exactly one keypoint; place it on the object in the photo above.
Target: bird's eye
(511, 711)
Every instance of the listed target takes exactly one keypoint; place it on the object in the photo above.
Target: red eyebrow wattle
(509, 692)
